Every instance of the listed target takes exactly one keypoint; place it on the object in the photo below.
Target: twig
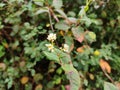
(54, 16)
(108, 77)
(50, 19)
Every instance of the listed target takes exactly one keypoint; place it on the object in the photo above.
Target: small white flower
(61, 48)
(50, 47)
(65, 48)
(96, 6)
(51, 37)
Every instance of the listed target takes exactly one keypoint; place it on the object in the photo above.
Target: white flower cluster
(65, 48)
(50, 47)
(52, 37)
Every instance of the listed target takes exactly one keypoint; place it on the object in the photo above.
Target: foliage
(59, 44)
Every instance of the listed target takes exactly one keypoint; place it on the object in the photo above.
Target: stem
(50, 19)
(108, 77)
(53, 14)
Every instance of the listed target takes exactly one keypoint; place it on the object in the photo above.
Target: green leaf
(64, 57)
(118, 2)
(72, 75)
(97, 22)
(62, 26)
(61, 13)
(69, 41)
(91, 36)
(1, 51)
(42, 10)
(78, 33)
(72, 19)
(58, 80)
(82, 12)
(51, 56)
(10, 82)
(2, 5)
(109, 86)
(58, 56)
(18, 13)
(74, 79)
(67, 67)
(86, 20)
(38, 77)
(39, 2)
(86, 8)
(32, 72)
(59, 71)
(57, 4)
(28, 86)
(62, 87)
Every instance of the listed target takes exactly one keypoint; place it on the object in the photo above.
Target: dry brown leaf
(91, 76)
(86, 46)
(22, 63)
(38, 87)
(80, 49)
(105, 66)
(2, 66)
(61, 32)
(24, 79)
(6, 45)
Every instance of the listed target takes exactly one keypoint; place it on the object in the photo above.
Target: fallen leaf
(80, 49)
(105, 66)
(2, 66)
(24, 79)
(91, 76)
(61, 32)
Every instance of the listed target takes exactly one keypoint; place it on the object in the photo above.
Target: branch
(53, 14)
(108, 77)
(50, 19)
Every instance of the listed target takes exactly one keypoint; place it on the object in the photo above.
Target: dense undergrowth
(59, 44)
